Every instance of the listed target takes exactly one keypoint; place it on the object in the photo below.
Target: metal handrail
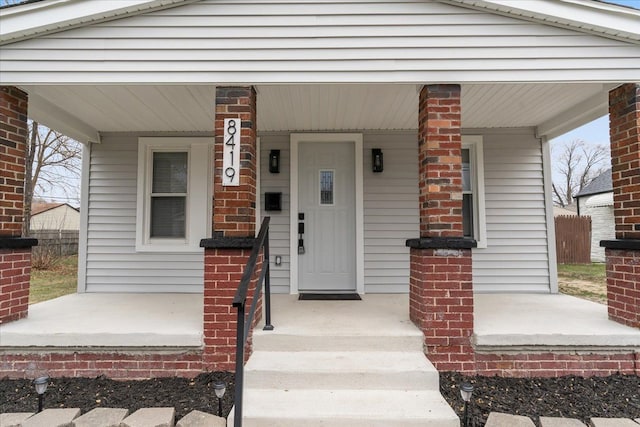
(240, 302)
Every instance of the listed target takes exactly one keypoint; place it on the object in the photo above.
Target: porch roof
(152, 65)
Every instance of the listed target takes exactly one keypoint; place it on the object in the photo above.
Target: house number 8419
(231, 152)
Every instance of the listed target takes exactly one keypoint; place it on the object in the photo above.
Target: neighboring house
(596, 201)
(379, 125)
(54, 216)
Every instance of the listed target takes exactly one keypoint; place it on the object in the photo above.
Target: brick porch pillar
(623, 254)
(15, 252)
(227, 252)
(441, 293)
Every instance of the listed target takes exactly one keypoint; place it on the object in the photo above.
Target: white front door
(327, 208)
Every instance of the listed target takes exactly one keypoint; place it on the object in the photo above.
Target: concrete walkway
(497, 419)
(157, 417)
(108, 417)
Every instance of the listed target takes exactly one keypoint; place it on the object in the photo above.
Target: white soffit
(181, 108)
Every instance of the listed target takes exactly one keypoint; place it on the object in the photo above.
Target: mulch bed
(183, 394)
(573, 397)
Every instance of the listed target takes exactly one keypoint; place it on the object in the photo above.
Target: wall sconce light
(41, 384)
(274, 161)
(278, 260)
(377, 163)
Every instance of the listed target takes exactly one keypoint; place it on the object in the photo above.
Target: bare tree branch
(53, 164)
(577, 165)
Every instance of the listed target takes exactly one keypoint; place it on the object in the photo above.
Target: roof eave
(621, 23)
(46, 17)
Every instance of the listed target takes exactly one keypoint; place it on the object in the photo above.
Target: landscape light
(41, 384)
(466, 391)
(219, 387)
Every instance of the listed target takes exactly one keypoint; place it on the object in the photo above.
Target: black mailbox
(272, 201)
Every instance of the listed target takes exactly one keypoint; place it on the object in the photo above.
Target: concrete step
(101, 417)
(353, 408)
(55, 417)
(151, 417)
(284, 339)
(330, 370)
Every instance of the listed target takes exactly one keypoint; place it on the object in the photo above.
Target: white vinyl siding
(271, 41)
(279, 226)
(600, 208)
(391, 214)
(516, 258)
(113, 265)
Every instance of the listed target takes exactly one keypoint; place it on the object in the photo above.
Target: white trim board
(357, 140)
(84, 218)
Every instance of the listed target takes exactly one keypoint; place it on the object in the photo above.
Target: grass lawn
(60, 279)
(586, 281)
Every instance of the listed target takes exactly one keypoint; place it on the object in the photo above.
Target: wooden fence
(56, 242)
(573, 239)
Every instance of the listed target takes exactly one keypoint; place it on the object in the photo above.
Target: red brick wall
(223, 270)
(15, 274)
(441, 305)
(441, 291)
(624, 130)
(13, 143)
(126, 365)
(141, 365)
(439, 154)
(557, 364)
(623, 286)
(234, 207)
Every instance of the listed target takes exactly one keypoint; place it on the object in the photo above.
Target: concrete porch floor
(109, 320)
(531, 321)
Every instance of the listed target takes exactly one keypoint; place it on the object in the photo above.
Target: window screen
(169, 194)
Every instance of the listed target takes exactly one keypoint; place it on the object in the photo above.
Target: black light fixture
(377, 163)
(41, 384)
(274, 161)
(219, 387)
(466, 391)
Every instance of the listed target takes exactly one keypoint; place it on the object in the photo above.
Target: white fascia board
(583, 15)
(22, 22)
(52, 116)
(576, 116)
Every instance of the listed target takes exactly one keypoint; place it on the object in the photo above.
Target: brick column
(227, 252)
(15, 252)
(623, 254)
(441, 293)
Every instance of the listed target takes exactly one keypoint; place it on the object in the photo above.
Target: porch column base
(623, 280)
(15, 277)
(441, 300)
(224, 263)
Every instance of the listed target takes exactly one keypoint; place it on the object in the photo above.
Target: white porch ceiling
(178, 108)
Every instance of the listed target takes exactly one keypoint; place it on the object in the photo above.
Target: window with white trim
(473, 204)
(173, 193)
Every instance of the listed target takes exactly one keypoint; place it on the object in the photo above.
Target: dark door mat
(329, 297)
